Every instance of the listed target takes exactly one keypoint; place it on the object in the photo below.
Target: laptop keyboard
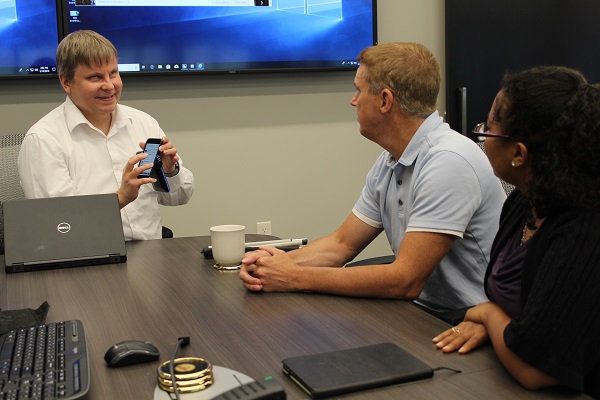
(44, 362)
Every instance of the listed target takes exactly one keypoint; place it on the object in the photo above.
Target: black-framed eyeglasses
(481, 131)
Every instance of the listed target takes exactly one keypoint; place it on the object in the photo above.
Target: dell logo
(63, 227)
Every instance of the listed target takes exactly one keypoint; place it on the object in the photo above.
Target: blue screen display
(29, 34)
(229, 35)
(152, 150)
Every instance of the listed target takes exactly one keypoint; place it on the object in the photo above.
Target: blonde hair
(83, 47)
(409, 70)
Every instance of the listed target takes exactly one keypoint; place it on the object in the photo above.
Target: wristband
(175, 172)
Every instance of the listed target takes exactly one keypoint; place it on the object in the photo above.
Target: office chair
(10, 186)
(452, 317)
(166, 233)
(373, 261)
(505, 185)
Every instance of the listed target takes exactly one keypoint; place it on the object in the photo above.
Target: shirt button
(400, 202)
(399, 181)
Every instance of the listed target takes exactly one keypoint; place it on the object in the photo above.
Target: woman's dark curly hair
(556, 114)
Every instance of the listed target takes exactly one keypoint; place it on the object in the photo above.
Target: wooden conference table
(167, 289)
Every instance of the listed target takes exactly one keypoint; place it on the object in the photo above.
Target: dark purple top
(504, 282)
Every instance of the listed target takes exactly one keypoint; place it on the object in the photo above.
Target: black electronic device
(131, 352)
(264, 389)
(161, 37)
(29, 33)
(237, 36)
(157, 172)
(61, 232)
(49, 359)
(151, 149)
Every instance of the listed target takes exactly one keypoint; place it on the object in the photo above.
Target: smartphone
(161, 184)
(151, 149)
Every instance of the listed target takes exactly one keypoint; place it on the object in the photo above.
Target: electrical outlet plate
(263, 228)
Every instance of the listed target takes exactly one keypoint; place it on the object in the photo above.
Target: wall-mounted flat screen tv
(29, 34)
(228, 36)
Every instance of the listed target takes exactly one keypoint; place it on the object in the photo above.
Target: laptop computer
(61, 232)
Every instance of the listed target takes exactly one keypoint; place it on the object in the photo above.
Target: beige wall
(283, 148)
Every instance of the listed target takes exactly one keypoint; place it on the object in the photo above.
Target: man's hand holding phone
(131, 182)
(151, 149)
(136, 176)
(168, 155)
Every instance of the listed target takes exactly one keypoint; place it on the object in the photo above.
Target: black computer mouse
(130, 352)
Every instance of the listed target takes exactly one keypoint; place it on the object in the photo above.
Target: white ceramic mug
(228, 245)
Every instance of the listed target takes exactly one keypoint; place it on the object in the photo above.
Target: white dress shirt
(64, 155)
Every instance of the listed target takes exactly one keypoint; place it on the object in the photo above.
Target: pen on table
(276, 243)
(279, 243)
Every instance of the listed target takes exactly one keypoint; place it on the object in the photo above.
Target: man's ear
(387, 100)
(64, 82)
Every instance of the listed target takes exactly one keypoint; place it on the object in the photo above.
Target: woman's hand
(464, 337)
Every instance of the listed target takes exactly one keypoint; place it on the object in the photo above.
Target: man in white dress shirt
(88, 144)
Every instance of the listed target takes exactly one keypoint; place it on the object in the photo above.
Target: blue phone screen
(152, 150)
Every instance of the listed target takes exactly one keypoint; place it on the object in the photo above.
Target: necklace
(523, 235)
(533, 231)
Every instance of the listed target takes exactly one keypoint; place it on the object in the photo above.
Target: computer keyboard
(44, 362)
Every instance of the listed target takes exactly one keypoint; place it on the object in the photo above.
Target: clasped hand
(268, 269)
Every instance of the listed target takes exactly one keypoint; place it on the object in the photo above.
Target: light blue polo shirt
(443, 182)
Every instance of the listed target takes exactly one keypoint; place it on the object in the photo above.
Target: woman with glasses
(543, 280)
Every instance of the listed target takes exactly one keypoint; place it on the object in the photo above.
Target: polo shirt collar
(410, 154)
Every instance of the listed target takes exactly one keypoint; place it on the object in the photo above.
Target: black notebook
(344, 371)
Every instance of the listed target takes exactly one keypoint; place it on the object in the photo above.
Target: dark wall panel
(485, 38)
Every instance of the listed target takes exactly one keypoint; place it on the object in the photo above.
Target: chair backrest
(505, 185)
(10, 185)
